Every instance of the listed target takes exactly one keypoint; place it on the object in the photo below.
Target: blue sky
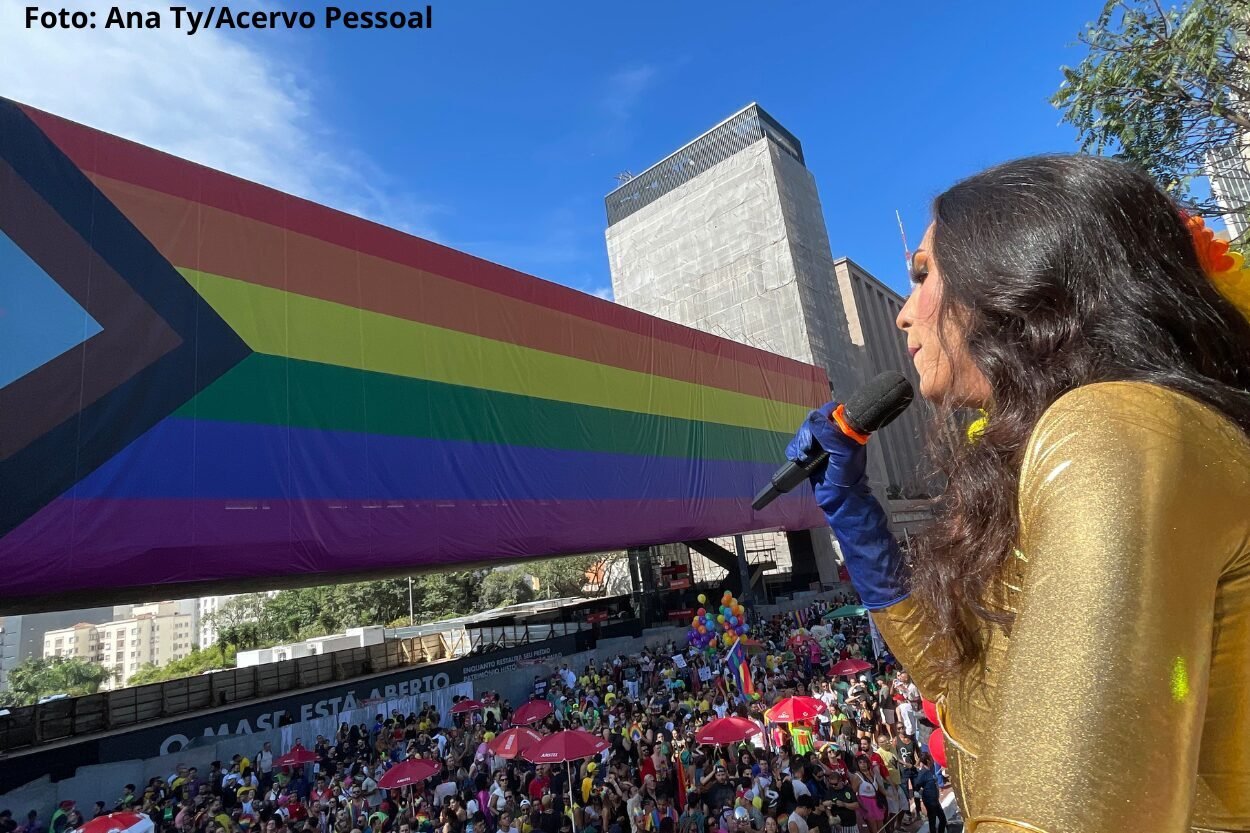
(513, 120)
(500, 130)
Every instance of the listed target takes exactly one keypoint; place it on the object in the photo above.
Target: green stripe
(337, 398)
(279, 323)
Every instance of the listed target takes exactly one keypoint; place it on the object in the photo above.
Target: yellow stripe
(296, 326)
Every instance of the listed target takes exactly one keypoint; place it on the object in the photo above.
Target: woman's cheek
(927, 297)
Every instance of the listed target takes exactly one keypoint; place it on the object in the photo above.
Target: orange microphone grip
(839, 417)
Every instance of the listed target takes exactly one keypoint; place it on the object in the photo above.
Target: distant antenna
(903, 234)
(624, 176)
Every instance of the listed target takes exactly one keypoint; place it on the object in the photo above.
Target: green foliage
(560, 577)
(36, 678)
(197, 662)
(256, 620)
(506, 586)
(1163, 88)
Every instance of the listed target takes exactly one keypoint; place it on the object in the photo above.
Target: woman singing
(1080, 608)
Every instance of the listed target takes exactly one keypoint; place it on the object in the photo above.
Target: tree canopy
(1165, 88)
(35, 678)
(256, 619)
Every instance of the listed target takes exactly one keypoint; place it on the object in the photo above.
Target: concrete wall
(714, 254)
(871, 309)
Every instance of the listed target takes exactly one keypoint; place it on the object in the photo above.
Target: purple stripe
(205, 459)
(76, 544)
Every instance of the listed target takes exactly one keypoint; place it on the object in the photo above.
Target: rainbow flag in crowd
(736, 659)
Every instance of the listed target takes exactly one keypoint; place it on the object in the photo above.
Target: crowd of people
(861, 763)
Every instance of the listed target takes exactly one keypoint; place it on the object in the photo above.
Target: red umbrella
(796, 710)
(411, 771)
(532, 712)
(514, 741)
(298, 756)
(119, 823)
(562, 747)
(726, 730)
(847, 667)
(466, 706)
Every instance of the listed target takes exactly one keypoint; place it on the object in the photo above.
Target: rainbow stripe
(310, 394)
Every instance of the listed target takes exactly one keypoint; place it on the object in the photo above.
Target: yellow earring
(978, 426)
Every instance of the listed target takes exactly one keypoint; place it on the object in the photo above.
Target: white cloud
(208, 97)
(604, 292)
(625, 89)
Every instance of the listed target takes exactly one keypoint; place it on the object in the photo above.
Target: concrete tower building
(727, 235)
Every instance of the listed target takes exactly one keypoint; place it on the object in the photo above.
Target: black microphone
(870, 409)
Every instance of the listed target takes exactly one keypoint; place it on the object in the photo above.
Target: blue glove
(872, 556)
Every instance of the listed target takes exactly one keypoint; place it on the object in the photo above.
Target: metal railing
(739, 131)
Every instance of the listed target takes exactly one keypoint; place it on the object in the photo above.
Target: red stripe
(111, 156)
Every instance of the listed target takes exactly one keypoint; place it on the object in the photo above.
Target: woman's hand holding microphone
(872, 555)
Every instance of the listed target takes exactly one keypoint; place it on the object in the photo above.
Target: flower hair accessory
(1223, 267)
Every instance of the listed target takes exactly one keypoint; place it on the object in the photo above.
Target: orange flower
(1213, 255)
(1223, 266)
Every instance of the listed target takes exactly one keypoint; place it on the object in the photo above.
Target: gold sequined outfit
(1120, 701)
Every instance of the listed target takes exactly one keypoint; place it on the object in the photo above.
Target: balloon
(702, 598)
(937, 746)
(930, 711)
(757, 802)
(721, 619)
(702, 611)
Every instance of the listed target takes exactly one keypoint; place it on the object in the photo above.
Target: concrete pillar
(814, 557)
(642, 584)
(744, 570)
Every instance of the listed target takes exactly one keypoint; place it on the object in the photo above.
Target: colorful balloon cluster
(714, 628)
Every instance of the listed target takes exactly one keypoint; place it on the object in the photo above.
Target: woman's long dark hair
(1060, 271)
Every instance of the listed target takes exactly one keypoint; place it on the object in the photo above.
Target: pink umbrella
(532, 712)
(726, 730)
(298, 756)
(566, 746)
(466, 706)
(848, 667)
(514, 741)
(411, 771)
(796, 710)
(119, 823)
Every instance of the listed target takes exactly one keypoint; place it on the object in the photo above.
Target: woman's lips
(912, 351)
